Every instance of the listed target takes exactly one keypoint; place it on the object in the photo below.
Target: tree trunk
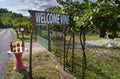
(22, 36)
(73, 52)
(17, 32)
(68, 49)
(102, 32)
(82, 42)
(83, 65)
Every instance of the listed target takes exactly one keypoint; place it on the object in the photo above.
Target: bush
(111, 36)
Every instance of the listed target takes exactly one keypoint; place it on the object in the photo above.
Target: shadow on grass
(115, 58)
(40, 78)
(25, 75)
(97, 71)
(90, 67)
(104, 47)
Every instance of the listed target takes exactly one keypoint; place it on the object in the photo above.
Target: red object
(23, 46)
(19, 65)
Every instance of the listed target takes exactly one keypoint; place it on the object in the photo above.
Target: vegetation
(10, 68)
(100, 14)
(102, 63)
(103, 16)
(43, 68)
(107, 18)
(9, 19)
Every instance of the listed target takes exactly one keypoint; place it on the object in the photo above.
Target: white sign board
(41, 17)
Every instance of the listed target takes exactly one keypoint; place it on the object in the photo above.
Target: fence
(43, 35)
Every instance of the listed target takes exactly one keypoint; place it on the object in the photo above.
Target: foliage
(106, 19)
(104, 14)
(54, 9)
(80, 17)
(81, 13)
(10, 19)
(101, 13)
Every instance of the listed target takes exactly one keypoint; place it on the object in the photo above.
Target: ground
(57, 65)
(100, 65)
(45, 63)
(4, 47)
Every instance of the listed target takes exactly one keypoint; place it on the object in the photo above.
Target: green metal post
(49, 42)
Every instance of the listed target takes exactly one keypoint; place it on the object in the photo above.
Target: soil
(35, 47)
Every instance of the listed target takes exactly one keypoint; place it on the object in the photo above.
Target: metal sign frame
(42, 17)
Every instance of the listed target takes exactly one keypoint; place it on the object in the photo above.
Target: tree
(106, 19)
(80, 17)
(68, 8)
(54, 9)
(20, 21)
(14, 20)
(104, 14)
(2, 10)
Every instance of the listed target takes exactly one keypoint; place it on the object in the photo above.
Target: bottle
(23, 46)
(11, 48)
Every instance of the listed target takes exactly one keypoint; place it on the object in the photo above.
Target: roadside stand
(17, 48)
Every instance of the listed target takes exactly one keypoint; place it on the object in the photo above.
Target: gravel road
(6, 37)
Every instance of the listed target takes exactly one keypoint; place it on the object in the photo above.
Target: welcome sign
(42, 17)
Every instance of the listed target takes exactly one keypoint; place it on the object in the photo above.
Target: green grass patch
(88, 37)
(101, 63)
(93, 37)
(26, 36)
(10, 68)
(42, 68)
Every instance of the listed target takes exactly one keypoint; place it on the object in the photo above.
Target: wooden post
(30, 59)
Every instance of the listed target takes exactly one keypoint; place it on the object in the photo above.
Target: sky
(22, 6)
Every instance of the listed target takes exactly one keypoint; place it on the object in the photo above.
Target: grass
(26, 36)
(10, 68)
(43, 68)
(89, 36)
(101, 63)
(93, 37)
